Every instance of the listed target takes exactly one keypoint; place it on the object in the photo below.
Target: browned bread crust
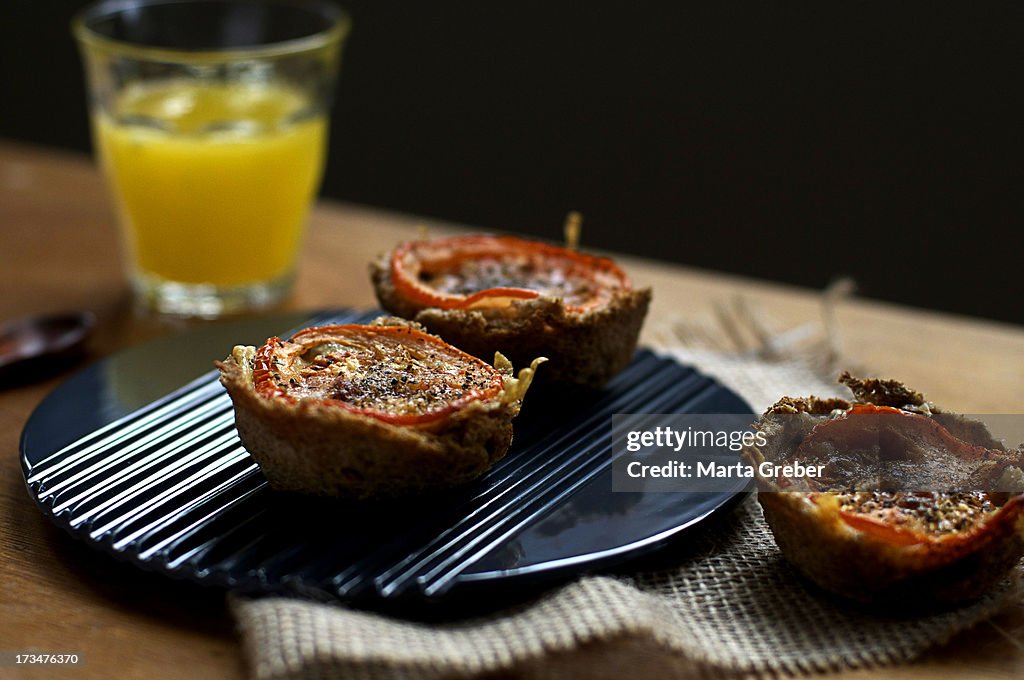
(586, 348)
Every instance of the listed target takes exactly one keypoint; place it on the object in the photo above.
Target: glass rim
(87, 37)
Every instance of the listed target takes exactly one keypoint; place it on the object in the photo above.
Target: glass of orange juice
(210, 122)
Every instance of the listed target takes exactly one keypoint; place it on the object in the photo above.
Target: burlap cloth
(727, 605)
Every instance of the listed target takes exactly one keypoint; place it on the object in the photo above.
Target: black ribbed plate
(168, 486)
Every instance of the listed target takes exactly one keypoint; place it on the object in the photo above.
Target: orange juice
(213, 182)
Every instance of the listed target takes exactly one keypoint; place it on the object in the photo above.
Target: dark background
(877, 140)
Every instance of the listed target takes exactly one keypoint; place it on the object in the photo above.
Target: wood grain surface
(59, 250)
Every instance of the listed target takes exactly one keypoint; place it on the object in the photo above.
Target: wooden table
(59, 250)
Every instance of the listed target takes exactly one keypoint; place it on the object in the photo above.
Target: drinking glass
(210, 122)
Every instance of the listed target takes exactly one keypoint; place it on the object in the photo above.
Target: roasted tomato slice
(395, 374)
(469, 272)
(904, 452)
